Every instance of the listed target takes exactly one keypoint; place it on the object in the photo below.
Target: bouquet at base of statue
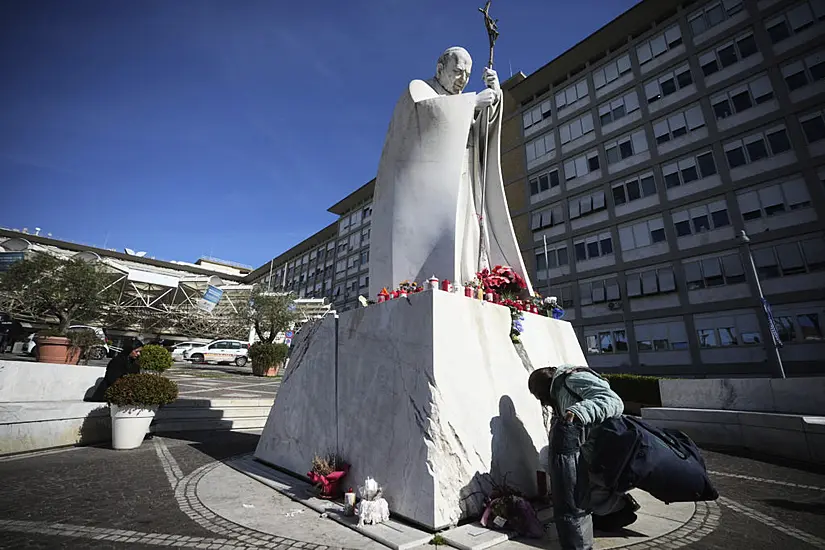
(372, 508)
(507, 510)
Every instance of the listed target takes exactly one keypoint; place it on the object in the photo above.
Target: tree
(270, 313)
(73, 290)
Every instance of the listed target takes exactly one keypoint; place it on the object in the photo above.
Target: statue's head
(453, 69)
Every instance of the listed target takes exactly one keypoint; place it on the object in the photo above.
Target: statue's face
(456, 73)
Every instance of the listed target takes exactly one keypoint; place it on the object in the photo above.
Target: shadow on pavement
(219, 444)
(767, 459)
(817, 508)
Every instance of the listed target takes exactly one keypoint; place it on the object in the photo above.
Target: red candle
(468, 291)
(381, 298)
(445, 285)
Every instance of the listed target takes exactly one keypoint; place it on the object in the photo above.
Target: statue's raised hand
(487, 98)
(491, 79)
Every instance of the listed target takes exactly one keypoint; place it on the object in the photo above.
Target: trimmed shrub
(633, 388)
(155, 358)
(264, 356)
(144, 389)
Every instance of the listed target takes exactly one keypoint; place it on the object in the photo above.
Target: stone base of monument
(427, 395)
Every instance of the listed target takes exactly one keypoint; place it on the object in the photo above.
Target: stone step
(181, 413)
(219, 403)
(204, 424)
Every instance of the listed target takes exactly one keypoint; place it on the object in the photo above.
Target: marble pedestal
(427, 396)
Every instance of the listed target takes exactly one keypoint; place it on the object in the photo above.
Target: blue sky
(226, 128)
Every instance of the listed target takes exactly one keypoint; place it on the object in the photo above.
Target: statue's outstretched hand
(491, 79)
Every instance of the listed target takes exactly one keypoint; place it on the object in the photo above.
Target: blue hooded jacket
(598, 402)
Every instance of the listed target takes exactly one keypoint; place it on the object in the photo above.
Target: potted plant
(271, 314)
(267, 359)
(134, 398)
(83, 343)
(70, 291)
(327, 475)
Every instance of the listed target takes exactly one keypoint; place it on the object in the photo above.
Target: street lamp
(774, 335)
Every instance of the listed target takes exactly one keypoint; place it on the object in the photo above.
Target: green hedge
(634, 388)
(143, 389)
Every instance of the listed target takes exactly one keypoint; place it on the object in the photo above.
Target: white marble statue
(439, 206)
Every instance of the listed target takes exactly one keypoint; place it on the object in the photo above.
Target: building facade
(640, 154)
(631, 163)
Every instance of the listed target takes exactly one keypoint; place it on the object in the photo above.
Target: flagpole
(546, 264)
(764, 303)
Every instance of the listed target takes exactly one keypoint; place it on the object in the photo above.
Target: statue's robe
(428, 192)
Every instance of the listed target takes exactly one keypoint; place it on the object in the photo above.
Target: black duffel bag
(630, 453)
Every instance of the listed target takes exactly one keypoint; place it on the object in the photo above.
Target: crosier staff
(492, 34)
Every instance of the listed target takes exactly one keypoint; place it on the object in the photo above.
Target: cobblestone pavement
(95, 497)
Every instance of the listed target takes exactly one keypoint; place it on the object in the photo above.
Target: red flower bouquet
(502, 280)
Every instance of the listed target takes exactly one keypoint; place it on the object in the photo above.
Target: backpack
(666, 463)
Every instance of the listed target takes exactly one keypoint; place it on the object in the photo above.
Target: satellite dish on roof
(140, 254)
(131, 252)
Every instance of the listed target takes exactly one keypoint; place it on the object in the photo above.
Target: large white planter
(129, 425)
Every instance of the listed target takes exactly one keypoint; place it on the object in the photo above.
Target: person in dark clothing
(126, 362)
(581, 400)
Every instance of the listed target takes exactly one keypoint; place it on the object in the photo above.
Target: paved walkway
(93, 497)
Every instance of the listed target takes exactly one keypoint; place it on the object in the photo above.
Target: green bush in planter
(155, 358)
(633, 388)
(264, 356)
(144, 389)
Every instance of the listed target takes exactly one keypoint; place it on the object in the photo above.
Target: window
(581, 165)
(352, 261)
(741, 98)
(650, 282)
(605, 341)
(586, 204)
(757, 147)
(342, 246)
(576, 129)
(659, 44)
(795, 20)
(790, 258)
(611, 71)
(668, 83)
(366, 213)
(712, 15)
(689, 169)
(599, 291)
(571, 94)
(340, 266)
(714, 271)
(556, 257)
(702, 218)
(634, 188)
(593, 246)
(662, 335)
(679, 124)
(798, 74)
(536, 114)
(541, 146)
(813, 125)
(355, 241)
(618, 108)
(641, 234)
(810, 326)
(548, 217)
(773, 199)
(544, 181)
(365, 237)
(625, 147)
(365, 257)
(728, 54)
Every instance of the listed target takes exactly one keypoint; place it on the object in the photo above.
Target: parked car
(98, 351)
(220, 351)
(180, 348)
